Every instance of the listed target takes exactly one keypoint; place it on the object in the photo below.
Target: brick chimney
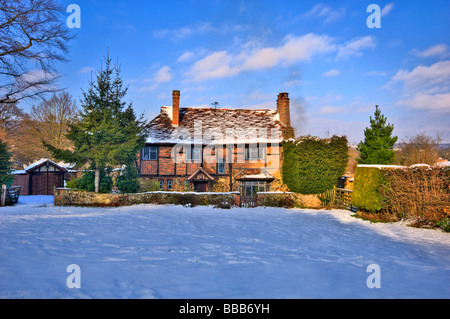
(284, 113)
(283, 109)
(175, 107)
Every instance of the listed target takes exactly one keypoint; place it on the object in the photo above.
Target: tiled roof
(211, 119)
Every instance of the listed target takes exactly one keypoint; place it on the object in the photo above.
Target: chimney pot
(175, 107)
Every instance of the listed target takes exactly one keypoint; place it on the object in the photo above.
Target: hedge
(366, 196)
(312, 165)
(417, 194)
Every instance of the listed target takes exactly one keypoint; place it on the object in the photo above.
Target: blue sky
(241, 54)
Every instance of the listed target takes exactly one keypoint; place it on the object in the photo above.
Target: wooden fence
(9, 195)
(339, 197)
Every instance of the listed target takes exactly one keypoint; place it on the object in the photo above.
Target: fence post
(3, 196)
(334, 195)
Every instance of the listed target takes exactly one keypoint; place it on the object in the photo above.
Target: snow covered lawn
(149, 251)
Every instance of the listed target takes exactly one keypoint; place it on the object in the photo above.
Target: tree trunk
(97, 178)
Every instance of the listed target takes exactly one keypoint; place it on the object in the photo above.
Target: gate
(249, 195)
(343, 199)
(249, 201)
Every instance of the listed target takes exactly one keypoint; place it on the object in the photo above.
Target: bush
(128, 180)
(418, 194)
(367, 182)
(312, 165)
(86, 182)
(73, 183)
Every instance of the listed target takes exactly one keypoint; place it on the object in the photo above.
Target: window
(196, 153)
(221, 168)
(220, 165)
(255, 152)
(169, 184)
(251, 188)
(150, 153)
(161, 184)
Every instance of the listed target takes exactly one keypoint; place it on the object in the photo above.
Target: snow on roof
(214, 124)
(257, 176)
(42, 161)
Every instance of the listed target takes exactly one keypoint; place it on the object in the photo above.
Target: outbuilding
(40, 178)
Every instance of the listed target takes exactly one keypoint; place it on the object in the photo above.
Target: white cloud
(295, 49)
(325, 12)
(86, 69)
(331, 73)
(434, 50)
(377, 73)
(437, 102)
(387, 8)
(425, 87)
(184, 31)
(355, 46)
(185, 57)
(163, 75)
(422, 77)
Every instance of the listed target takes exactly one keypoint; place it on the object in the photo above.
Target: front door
(200, 187)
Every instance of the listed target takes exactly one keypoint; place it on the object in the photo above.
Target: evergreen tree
(5, 164)
(108, 132)
(378, 144)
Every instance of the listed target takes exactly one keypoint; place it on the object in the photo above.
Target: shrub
(312, 165)
(73, 183)
(366, 185)
(282, 200)
(128, 180)
(86, 182)
(444, 225)
(419, 194)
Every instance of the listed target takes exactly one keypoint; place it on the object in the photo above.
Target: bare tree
(419, 149)
(10, 118)
(49, 121)
(33, 37)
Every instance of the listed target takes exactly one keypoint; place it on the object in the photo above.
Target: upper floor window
(150, 153)
(195, 154)
(255, 152)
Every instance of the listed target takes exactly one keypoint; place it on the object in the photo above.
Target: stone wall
(71, 197)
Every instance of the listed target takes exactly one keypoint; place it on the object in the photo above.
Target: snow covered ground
(149, 251)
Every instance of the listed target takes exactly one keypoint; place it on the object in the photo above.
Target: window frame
(150, 153)
(195, 149)
(161, 184)
(250, 151)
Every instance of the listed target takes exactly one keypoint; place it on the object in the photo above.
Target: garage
(40, 178)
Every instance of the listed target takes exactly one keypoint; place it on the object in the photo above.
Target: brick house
(216, 150)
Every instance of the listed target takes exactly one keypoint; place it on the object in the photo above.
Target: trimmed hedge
(312, 165)
(367, 182)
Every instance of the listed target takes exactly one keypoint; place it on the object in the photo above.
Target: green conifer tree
(108, 132)
(5, 165)
(378, 144)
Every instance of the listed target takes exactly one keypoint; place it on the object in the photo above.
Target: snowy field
(149, 251)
